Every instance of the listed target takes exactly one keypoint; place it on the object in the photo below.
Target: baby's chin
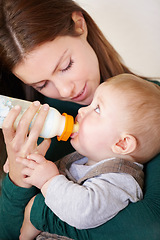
(74, 142)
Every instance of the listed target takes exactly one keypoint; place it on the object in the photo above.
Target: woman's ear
(80, 23)
(125, 145)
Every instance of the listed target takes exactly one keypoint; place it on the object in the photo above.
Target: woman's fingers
(22, 135)
(43, 146)
(26, 119)
(8, 124)
(36, 129)
(16, 139)
(39, 121)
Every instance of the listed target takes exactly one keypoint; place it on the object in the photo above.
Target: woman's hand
(6, 166)
(19, 143)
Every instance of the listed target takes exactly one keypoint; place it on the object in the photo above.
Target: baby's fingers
(27, 162)
(28, 180)
(36, 157)
(27, 172)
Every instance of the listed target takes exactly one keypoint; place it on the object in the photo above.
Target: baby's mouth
(75, 129)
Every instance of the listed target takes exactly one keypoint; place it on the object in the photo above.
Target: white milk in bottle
(55, 124)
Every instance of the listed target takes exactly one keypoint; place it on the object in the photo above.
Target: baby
(118, 132)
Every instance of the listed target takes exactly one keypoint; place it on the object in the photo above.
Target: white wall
(133, 28)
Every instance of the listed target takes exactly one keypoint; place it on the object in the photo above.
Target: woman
(55, 47)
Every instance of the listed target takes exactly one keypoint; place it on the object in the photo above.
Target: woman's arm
(19, 143)
(15, 193)
(13, 200)
(137, 221)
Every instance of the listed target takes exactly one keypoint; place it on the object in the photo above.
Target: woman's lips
(81, 96)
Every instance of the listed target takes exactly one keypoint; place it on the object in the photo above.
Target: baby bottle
(55, 124)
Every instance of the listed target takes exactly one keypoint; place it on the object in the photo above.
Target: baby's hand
(38, 170)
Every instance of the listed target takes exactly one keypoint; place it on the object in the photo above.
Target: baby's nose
(82, 111)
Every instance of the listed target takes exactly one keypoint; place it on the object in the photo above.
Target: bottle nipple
(69, 128)
(75, 127)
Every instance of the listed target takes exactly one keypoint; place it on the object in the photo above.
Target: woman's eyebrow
(60, 59)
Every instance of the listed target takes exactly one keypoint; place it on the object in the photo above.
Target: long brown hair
(25, 24)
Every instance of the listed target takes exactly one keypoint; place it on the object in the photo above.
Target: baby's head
(139, 101)
(123, 120)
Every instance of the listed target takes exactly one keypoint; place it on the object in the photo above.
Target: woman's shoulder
(154, 81)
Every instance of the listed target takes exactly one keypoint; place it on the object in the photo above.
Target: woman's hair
(141, 116)
(25, 24)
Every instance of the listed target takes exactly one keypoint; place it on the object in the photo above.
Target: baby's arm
(28, 231)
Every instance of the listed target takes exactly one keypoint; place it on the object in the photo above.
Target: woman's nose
(65, 89)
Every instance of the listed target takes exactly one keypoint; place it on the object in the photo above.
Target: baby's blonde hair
(142, 113)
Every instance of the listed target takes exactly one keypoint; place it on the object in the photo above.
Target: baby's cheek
(78, 141)
(82, 134)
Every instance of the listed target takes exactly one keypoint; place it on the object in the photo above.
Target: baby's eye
(97, 109)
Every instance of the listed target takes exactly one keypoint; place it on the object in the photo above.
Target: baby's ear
(125, 145)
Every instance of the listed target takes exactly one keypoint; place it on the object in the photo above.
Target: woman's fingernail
(17, 159)
(45, 107)
(36, 103)
(17, 107)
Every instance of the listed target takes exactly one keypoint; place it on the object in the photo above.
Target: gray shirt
(94, 202)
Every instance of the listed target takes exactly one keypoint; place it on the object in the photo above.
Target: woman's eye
(68, 66)
(97, 109)
(41, 87)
